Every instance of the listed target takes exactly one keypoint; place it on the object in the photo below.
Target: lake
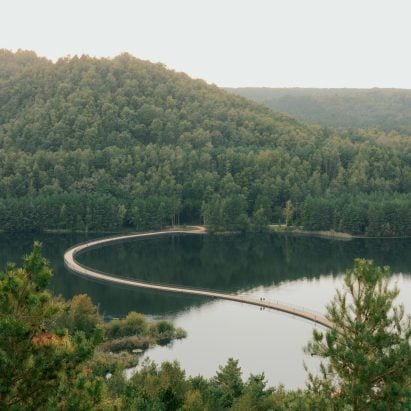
(299, 270)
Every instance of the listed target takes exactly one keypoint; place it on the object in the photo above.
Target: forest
(381, 108)
(111, 144)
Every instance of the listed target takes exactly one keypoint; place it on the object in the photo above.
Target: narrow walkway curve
(72, 264)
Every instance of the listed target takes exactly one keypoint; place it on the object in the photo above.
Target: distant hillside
(108, 144)
(386, 109)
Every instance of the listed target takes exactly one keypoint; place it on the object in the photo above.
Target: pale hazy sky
(273, 43)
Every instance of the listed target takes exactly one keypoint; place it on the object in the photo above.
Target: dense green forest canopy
(385, 109)
(103, 144)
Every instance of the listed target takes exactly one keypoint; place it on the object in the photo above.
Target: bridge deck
(72, 264)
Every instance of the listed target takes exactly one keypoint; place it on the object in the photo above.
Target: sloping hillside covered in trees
(382, 108)
(105, 144)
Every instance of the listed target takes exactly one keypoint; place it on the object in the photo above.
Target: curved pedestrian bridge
(71, 262)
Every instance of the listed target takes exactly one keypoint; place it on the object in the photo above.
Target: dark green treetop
(368, 351)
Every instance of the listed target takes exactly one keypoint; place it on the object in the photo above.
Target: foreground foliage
(51, 350)
(368, 351)
(39, 362)
(51, 355)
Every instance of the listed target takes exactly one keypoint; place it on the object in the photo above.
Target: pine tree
(368, 350)
(41, 365)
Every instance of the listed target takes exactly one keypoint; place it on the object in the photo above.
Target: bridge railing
(249, 294)
(295, 306)
(156, 283)
(118, 237)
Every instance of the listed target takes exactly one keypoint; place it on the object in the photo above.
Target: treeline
(72, 211)
(385, 109)
(108, 144)
(372, 215)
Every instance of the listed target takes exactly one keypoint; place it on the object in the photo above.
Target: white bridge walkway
(72, 264)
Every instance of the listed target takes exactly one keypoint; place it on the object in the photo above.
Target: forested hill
(102, 144)
(385, 109)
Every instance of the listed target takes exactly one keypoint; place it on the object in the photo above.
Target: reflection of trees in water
(240, 262)
(116, 301)
(227, 263)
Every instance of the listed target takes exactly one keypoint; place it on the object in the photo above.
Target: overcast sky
(233, 43)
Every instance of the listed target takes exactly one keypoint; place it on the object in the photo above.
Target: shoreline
(271, 228)
(330, 234)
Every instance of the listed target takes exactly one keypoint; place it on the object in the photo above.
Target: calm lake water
(298, 270)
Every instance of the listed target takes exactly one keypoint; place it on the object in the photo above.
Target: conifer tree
(41, 366)
(367, 352)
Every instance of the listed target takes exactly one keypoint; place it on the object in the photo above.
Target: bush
(133, 324)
